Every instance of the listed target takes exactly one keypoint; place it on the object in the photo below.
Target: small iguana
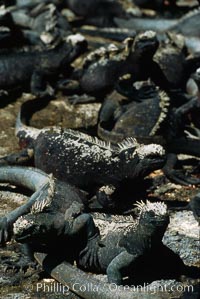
(33, 69)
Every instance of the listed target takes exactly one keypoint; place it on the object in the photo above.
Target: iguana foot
(21, 158)
(74, 210)
(49, 92)
(5, 231)
(88, 257)
(21, 266)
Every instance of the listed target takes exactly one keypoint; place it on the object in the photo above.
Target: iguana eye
(151, 214)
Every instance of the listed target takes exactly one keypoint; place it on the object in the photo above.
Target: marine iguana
(97, 12)
(117, 249)
(151, 117)
(104, 68)
(44, 21)
(90, 287)
(84, 161)
(45, 188)
(33, 71)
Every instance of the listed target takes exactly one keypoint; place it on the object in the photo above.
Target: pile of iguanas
(146, 73)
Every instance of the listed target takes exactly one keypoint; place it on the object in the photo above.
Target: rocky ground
(182, 235)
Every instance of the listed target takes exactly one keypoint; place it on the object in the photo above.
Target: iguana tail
(117, 34)
(141, 24)
(92, 288)
(27, 109)
(30, 178)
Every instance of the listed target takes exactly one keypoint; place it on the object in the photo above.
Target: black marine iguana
(97, 12)
(84, 161)
(117, 250)
(151, 116)
(33, 71)
(45, 188)
(104, 68)
(43, 22)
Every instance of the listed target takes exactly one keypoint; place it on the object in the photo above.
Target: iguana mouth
(147, 45)
(21, 239)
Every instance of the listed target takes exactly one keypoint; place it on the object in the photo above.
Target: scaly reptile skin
(118, 249)
(43, 186)
(82, 160)
(31, 69)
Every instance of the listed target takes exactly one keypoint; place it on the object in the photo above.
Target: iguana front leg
(23, 157)
(119, 263)
(82, 222)
(39, 86)
(177, 176)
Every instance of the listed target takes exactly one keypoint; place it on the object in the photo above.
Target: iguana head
(140, 160)
(152, 211)
(151, 157)
(38, 227)
(146, 44)
(148, 229)
(64, 53)
(153, 217)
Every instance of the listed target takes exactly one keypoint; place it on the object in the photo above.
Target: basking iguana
(43, 22)
(84, 161)
(45, 188)
(117, 250)
(105, 68)
(32, 70)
